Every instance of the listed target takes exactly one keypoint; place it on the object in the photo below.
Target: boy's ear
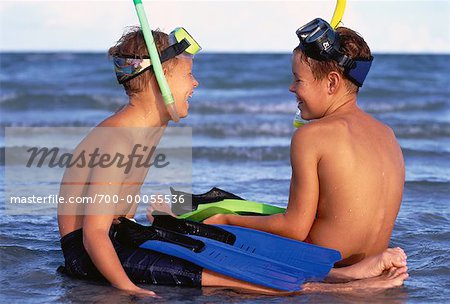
(334, 81)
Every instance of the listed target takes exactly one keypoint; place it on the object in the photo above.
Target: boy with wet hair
(131, 43)
(88, 241)
(347, 168)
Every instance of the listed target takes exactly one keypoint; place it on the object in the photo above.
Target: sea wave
(430, 153)
(232, 154)
(50, 123)
(376, 107)
(441, 186)
(423, 130)
(250, 130)
(46, 101)
(245, 107)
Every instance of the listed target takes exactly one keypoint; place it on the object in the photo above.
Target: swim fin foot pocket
(182, 226)
(134, 235)
(211, 254)
(191, 201)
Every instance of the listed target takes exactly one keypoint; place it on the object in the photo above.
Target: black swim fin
(134, 235)
(191, 201)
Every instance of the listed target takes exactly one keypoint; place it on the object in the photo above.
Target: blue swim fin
(213, 255)
(313, 261)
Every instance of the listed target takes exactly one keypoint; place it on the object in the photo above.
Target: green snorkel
(156, 62)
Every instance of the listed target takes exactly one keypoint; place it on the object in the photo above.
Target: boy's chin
(183, 113)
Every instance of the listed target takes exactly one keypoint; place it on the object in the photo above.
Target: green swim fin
(198, 207)
(228, 206)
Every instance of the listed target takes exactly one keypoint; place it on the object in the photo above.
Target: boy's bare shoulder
(117, 120)
(310, 139)
(341, 132)
(319, 130)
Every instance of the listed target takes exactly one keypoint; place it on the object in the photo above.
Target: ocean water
(241, 118)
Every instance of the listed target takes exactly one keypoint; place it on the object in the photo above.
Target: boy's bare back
(347, 168)
(360, 173)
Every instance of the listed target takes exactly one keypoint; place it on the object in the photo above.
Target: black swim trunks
(141, 265)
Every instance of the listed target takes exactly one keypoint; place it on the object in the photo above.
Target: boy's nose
(291, 88)
(195, 83)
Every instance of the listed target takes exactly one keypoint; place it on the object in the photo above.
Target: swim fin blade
(312, 260)
(215, 256)
(229, 206)
(315, 261)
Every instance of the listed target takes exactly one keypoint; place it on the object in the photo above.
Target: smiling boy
(347, 167)
(88, 241)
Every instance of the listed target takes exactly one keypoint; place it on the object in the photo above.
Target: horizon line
(209, 52)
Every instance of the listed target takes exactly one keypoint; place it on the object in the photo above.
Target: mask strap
(358, 73)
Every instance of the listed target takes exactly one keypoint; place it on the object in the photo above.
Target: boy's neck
(149, 109)
(343, 103)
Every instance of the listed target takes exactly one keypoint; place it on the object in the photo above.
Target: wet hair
(132, 43)
(352, 44)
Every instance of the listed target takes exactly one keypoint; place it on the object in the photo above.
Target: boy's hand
(140, 292)
(160, 205)
(218, 219)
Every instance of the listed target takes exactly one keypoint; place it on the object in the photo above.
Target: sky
(222, 26)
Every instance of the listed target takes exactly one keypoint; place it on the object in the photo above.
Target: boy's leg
(213, 279)
(372, 266)
(385, 270)
(392, 278)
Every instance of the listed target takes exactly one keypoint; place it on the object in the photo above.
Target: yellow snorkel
(338, 13)
(335, 20)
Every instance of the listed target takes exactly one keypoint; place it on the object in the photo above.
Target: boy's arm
(296, 222)
(105, 184)
(101, 250)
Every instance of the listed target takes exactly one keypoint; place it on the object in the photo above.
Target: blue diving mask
(318, 40)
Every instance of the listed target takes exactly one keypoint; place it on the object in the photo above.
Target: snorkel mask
(129, 66)
(318, 40)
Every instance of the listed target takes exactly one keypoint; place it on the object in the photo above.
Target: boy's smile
(308, 91)
(182, 83)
